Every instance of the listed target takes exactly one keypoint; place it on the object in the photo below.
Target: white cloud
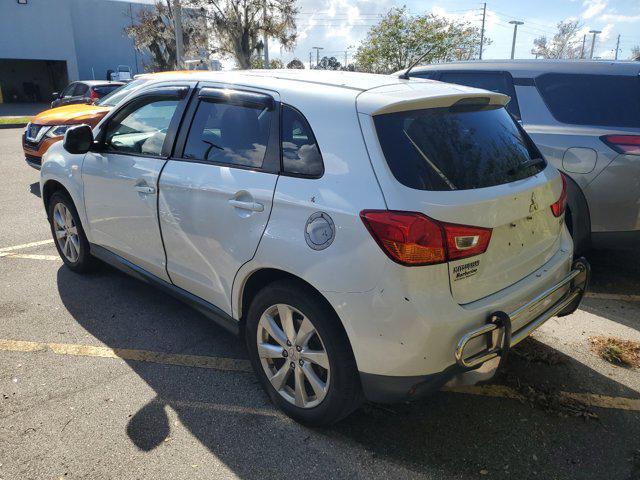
(593, 8)
(612, 17)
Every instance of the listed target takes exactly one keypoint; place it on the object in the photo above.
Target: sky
(339, 25)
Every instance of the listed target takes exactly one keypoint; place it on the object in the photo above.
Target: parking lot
(102, 376)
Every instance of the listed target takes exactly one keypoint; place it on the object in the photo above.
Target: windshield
(118, 94)
(456, 148)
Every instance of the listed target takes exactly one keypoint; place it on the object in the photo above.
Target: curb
(12, 125)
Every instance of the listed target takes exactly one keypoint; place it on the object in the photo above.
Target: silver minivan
(585, 118)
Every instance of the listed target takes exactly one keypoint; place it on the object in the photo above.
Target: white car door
(216, 194)
(121, 176)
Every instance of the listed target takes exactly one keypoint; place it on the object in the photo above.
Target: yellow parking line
(240, 365)
(217, 363)
(31, 256)
(3, 250)
(613, 296)
(588, 399)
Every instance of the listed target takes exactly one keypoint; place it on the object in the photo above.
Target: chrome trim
(508, 340)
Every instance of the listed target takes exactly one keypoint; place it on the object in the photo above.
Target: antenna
(405, 75)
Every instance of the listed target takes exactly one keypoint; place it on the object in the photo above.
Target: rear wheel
(68, 235)
(301, 354)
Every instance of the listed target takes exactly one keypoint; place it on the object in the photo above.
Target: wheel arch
(49, 188)
(253, 282)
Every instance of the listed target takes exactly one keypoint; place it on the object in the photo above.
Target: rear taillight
(93, 96)
(413, 239)
(625, 144)
(559, 206)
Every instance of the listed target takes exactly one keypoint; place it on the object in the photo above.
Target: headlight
(58, 131)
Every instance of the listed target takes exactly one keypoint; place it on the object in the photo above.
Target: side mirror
(78, 139)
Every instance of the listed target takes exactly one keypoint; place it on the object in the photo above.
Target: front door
(216, 195)
(121, 177)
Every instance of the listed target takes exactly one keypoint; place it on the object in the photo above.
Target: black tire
(344, 393)
(84, 262)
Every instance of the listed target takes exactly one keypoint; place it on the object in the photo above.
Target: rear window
(605, 100)
(456, 148)
(102, 90)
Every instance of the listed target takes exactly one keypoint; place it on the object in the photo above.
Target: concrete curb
(12, 125)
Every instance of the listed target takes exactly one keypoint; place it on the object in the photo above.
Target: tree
(295, 63)
(237, 26)
(399, 39)
(258, 62)
(329, 63)
(635, 53)
(154, 31)
(564, 44)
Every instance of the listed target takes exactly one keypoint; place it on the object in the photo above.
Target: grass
(12, 120)
(625, 353)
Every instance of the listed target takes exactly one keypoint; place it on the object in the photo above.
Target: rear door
(471, 164)
(216, 192)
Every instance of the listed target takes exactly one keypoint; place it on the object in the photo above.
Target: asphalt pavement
(104, 377)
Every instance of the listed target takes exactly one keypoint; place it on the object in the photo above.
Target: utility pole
(617, 46)
(515, 24)
(266, 38)
(310, 65)
(317, 49)
(584, 40)
(484, 16)
(593, 41)
(177, 18)
(345, 56)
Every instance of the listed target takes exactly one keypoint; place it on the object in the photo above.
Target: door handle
(146, 189)
(251, 206)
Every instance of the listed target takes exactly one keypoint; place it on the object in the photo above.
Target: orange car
(49, 126)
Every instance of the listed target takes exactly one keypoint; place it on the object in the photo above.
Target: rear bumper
(481, 365)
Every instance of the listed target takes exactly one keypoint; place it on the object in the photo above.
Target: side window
(429, 75)
(499, 82)
(80, 90)
(141, 127)
(300, 152)
(68, 92)
(229, 133)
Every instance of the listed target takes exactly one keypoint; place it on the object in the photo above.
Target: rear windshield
(102, 90)
(601, 100)
(112, 99)
(456, 148)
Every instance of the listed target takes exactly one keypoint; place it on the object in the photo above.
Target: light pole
(515, 24)
(317, 49)
(266, 38)
(177, 28)
(593, 41)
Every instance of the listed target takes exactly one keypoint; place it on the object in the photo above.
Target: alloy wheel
(293, 356)
(66, 232)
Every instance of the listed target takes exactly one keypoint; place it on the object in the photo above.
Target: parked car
(585, 118)
(85, 91)
(369, 237)
(49, 126)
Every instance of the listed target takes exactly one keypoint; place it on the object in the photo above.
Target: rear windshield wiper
(430, 163)
(526, 164)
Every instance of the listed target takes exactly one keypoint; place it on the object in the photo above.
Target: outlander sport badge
(534, 205)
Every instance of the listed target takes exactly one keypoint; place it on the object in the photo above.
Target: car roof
(533, 68)
(386, 93)
(93, 83)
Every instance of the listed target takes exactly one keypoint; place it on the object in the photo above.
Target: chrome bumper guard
(500, 338)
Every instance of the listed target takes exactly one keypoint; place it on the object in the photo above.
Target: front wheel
(68, 235)
(301, 354)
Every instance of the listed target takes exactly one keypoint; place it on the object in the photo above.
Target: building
(45, 44)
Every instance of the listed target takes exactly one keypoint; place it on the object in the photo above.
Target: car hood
(70, 114)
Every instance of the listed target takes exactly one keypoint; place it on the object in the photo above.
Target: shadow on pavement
(34, 189)
(444, 436)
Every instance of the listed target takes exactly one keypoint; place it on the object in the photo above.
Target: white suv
(369, 236)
